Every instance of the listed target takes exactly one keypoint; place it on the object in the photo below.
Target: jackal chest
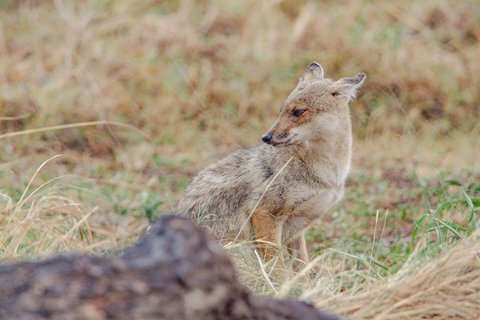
(316, 202)
(302, 200)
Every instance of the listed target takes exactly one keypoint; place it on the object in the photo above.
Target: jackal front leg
(268, 233)
(297, 247)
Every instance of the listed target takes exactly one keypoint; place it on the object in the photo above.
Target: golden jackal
(313, 134)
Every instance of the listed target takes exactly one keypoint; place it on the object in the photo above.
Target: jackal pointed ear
(313, 72)
(347, 87)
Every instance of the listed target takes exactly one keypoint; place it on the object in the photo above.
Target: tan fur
(268, 238)
(317, 138)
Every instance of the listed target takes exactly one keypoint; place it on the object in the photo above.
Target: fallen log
(174, 272)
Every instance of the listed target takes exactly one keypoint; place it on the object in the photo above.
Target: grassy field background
(108, 109)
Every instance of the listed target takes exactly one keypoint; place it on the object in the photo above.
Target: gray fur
(222, 196)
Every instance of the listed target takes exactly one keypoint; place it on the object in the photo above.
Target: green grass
(440, 211)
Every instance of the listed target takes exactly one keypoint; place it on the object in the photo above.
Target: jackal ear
(313, 72)
(347, 87)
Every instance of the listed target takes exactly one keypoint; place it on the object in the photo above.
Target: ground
(108, 109)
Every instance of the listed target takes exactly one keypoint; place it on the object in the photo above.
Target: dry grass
(48, 219)
(180, 62)
(200, 78)
(445, 288)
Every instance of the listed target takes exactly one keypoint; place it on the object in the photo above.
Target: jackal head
(315, 110)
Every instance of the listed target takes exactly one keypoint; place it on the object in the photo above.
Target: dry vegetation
(107, 109)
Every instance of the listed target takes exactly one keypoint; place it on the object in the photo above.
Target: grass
(108, 109)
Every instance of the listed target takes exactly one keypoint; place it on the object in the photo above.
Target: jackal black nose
(267, 137)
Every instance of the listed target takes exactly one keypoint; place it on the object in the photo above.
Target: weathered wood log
(175, 272)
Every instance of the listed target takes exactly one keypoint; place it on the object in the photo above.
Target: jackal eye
(297, 112)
